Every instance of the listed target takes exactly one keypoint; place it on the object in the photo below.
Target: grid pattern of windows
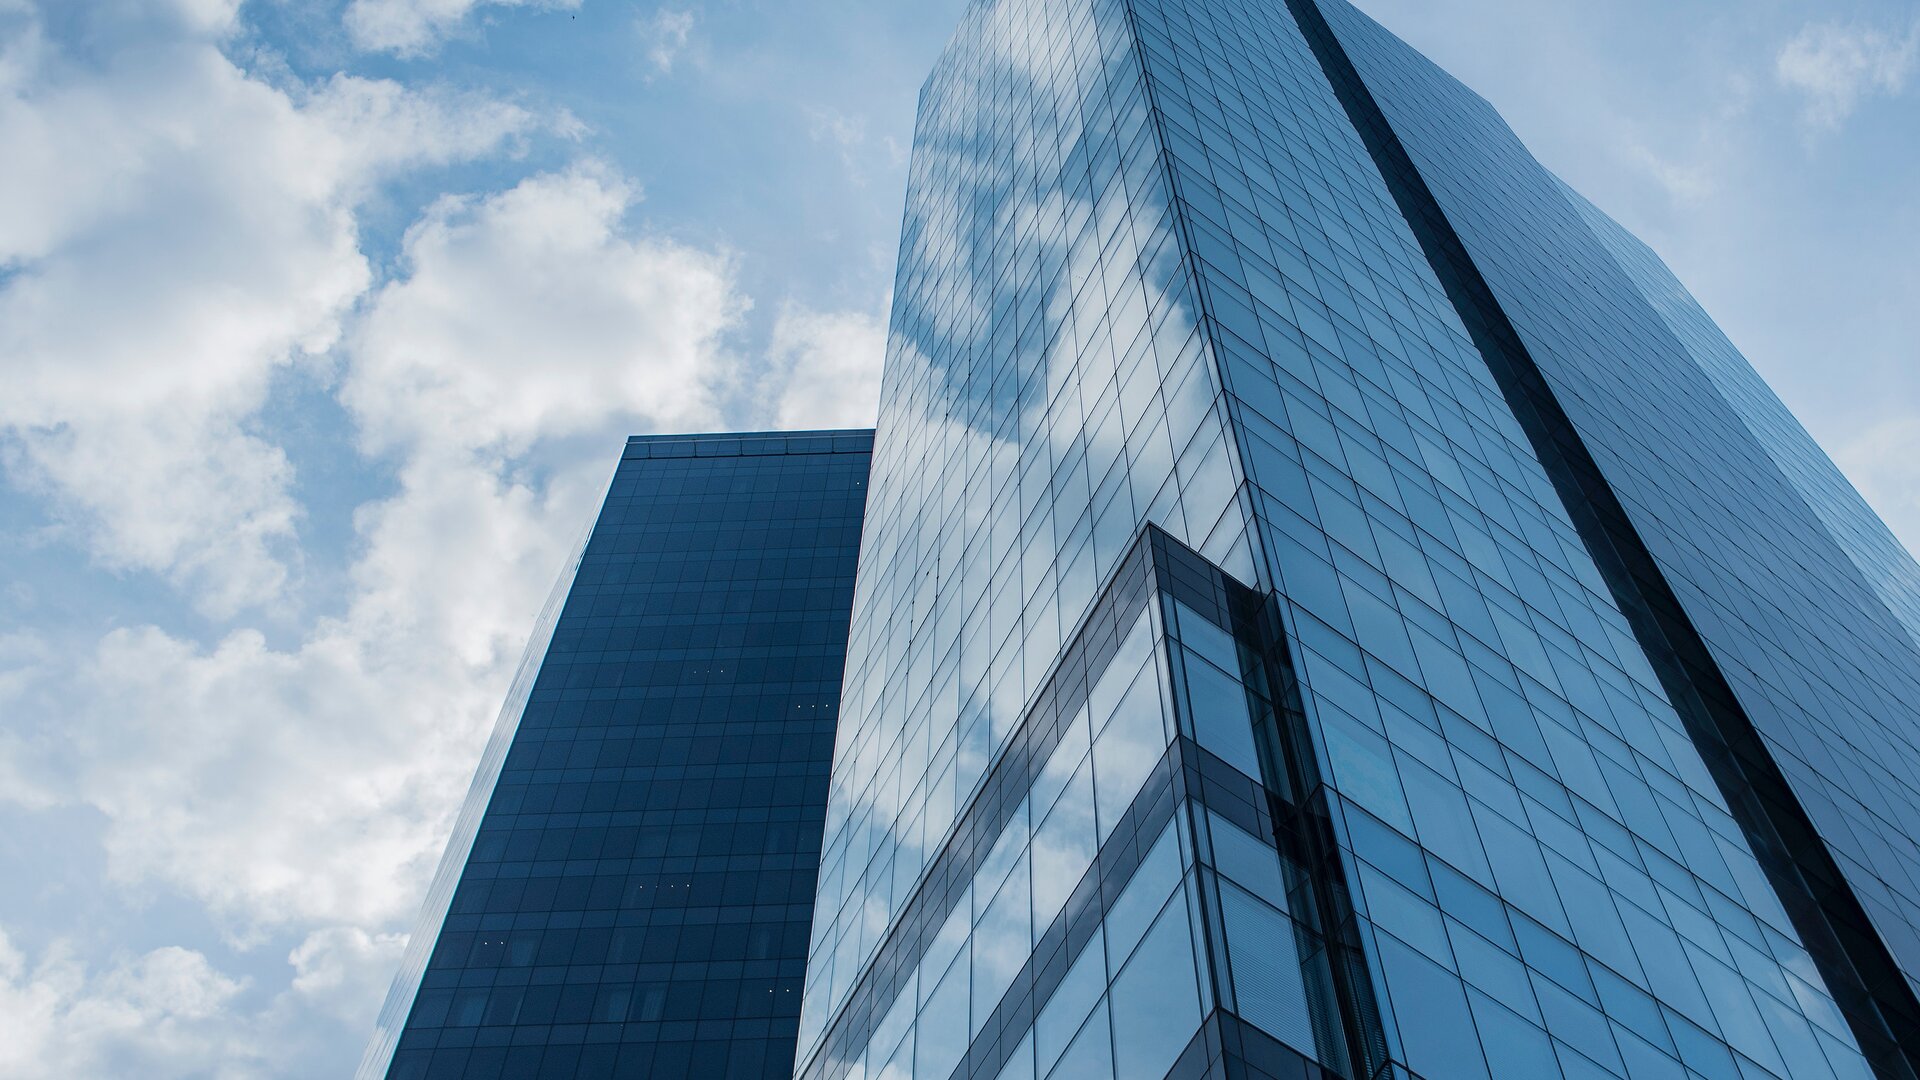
(1790, 608)
(1065, 929)
(1013, 899)
(1047, 391)
(638, 892)
(1167, 263)
(1550, 877)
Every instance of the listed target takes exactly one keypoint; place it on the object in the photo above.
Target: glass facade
(1047, 391)
(1334, 605)
(629, 888)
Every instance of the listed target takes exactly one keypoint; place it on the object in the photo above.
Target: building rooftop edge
(809, 432)
(716, 444)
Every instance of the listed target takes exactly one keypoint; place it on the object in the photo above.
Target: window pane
(1063, 848)
(1127, 750)
(1071, 1000)
(1217, 705)
(1269, 987)
(1246, 860)
(1091, 1055)
(1156, 1002)
(1430, 1008)
(1000, 944)
(943, 1031)
(1138, 904)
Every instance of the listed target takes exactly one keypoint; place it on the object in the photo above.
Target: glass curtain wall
(1257, 279)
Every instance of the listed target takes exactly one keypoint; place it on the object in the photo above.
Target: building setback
(630, 883)
(1333, 604)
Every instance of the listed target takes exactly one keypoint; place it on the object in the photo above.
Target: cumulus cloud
(824, 368)
(847, 133)
(537, 312)
(311, 787)
(826, 125)
(171, 1013)
(316, 783)
(342, 969)
(176, 231)
(416, 27)
(1834, 66)
(22, 655)
(158, 1015)
(25, 659)
(1685, 182)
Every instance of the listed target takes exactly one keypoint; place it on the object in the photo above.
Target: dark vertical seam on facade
(1333, 909)
(1306, 819)
(1359, 1014)
(1875, 997)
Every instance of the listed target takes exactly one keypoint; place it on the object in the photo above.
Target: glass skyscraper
(1332, 604)
(630, 883)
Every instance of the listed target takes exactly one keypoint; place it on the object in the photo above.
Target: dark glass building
(629, 886)
(1332, 604)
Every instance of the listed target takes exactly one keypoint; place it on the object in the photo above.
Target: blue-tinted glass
(1313, 553)
(643, 851)
(1156, 1006)
(1252, 397)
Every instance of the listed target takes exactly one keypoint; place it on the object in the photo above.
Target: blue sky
(320, 321)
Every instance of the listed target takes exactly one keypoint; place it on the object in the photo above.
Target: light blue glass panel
(1249, 862)
(940, 1036)
(1090, 1057)
(1156, 1003)
(1126, 750)
(1019, 1066)
(1153, 881)
(1430, 1011)
(1063, 846)
(1001, 943)
(1072, 1000)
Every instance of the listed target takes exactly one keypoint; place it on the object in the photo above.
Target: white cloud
(343, 970)
(664, 35)
(178, 232)
(416, 27)
(826, 125)
(25, 659)
(160, 1015)
(22, 655)
(175, 233)
(311, 787)
(825, 368)
(170, 1013)
(536, 312)
(1834, 66)
(1688, 183)
(314, 784)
